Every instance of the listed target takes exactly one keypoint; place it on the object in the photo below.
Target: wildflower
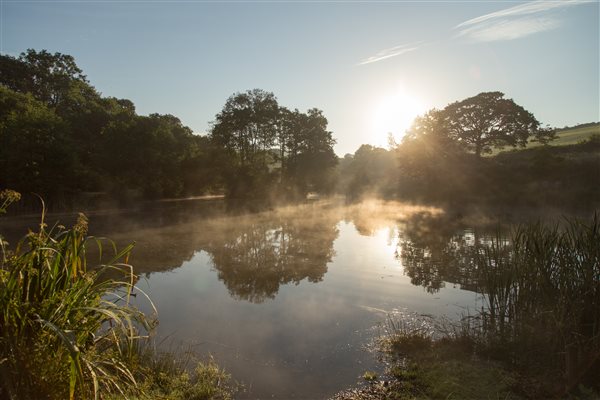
(7, 197)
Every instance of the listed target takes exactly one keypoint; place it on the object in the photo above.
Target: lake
(289, 301)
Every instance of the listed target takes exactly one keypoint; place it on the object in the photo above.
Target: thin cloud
(387, 53)
(508, 24)
(514, 22)
(509, 29)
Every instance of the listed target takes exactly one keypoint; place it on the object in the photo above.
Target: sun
(395, 114)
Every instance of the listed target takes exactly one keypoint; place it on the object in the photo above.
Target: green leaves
(482, 123)
(57, 323)
(271, 147)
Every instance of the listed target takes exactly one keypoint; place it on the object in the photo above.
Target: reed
(542, 290)
(66, 330)
(537, 334)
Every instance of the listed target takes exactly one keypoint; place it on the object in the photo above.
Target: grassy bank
(69, 330)
(537, 335)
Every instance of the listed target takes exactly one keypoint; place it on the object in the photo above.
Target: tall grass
(66, 330)
(542, 290)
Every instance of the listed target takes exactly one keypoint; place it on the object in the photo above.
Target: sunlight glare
(394, 114)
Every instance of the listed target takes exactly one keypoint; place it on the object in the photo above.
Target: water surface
(289, 300)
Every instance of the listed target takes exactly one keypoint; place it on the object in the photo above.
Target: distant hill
(566, 136)
(576, 134)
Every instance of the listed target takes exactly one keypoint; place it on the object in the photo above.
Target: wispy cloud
(391, 52)
(515, 22)
(508, 24)
(509, 30)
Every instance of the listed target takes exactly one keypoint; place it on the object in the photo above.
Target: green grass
(69, 331)
(537, 335)
(542, 290)
(570, 136)
(576, 135)
(440, 372)
(165, 376)
(564, 137)
(65, 331)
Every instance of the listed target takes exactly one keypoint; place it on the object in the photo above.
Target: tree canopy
(60, 138)
(271, 148)
(482, 123)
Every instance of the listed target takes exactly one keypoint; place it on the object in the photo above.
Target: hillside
(576, 134)
(565, 136)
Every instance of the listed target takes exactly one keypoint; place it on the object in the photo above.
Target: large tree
(49, 77)
(35, 153)
(271, 146)
(246, 125)
(485, 122)
(311, 155)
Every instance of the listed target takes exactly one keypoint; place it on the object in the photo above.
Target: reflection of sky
(308, 341)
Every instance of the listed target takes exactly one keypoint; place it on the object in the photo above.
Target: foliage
(541, 292)
(483, 122)
(370, 171)
(440, 157)
(48, 77)
(436, 171)
(421, 368)
(168, 377)
(7, 197)
(69, 330)
(34, 149)
(61, 139)
(271, 149)
(246, 126)
(65, 331)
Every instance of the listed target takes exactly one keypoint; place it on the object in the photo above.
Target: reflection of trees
(370, 216)
(434, 250)
(253, 254)
(256, 255)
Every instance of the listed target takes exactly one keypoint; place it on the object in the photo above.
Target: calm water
(289, 300)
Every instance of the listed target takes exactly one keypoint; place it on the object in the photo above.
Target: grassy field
(575, 135)
(565, 137)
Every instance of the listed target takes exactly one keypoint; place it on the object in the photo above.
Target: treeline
(61, 139)
(446, 158)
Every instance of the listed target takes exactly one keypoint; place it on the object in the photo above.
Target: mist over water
(289, 300)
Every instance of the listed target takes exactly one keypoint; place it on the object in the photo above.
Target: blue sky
(370, 66)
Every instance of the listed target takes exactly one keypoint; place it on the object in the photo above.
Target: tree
(35, 154)
(433, 165)
(60, 138)
(145, 155)
(246, 125)
(371, 170)
(268, 144)
(484, 122)
(312, 158)
(46, 76)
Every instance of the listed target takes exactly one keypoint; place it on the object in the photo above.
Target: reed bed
(537, 334)
(66, 330)
(69, 330)
(542, 293)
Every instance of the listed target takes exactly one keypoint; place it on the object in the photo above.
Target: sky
(371, 66)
